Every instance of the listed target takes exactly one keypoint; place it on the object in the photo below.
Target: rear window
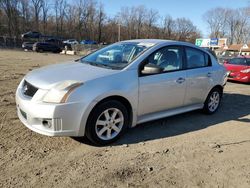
(239, 61)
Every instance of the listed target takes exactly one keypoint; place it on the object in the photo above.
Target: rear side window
(197, 58)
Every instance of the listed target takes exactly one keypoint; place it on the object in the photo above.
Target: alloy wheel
(109, 124)
(214, 101)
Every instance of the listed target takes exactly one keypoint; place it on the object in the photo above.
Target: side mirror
(151, 69)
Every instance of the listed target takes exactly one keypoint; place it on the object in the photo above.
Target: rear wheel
(107, 123)
(212, 102)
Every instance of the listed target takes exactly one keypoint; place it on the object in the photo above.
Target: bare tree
(168, 27)
(45, 9)
(140, 19)
(60, 6)
(25, 14)
(184, 29)
(86, 19)
(70, 21)
(232, 20)
(37, 5)
(242, 27)
(152, 17)
(10, 8)
(216, 20)
(126, 18)
(100, 21)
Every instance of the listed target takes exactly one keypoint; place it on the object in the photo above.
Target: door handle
(209, 74)
(180, 80)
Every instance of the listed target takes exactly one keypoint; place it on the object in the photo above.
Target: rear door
(199, 73)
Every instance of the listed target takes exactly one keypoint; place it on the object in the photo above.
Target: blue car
(88, 42)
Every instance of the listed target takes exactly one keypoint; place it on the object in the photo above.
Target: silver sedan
(101, 95)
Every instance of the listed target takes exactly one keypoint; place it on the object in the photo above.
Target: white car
(101, 97)
(71, 41)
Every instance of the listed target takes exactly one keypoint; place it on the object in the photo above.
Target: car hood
(47, 77)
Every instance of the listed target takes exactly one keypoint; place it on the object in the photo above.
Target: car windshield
(239, 61)
(116, 56)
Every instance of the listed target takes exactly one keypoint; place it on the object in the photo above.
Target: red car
(239, 69)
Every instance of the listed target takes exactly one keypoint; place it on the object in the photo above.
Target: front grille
(29, 89)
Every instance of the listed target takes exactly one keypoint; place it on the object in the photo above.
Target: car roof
(155, 41)
(161, 41)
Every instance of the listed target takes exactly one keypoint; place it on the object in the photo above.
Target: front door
(164, 90)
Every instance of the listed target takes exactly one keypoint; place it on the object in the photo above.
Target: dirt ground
(188, 150)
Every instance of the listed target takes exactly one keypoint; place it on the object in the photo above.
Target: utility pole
(119, 32)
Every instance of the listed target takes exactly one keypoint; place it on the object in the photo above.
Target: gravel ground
(187, 150)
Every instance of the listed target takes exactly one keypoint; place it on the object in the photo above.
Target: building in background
(238, 49)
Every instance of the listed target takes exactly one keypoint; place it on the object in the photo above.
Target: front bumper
(62, 119)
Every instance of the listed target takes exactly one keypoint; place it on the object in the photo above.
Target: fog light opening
(47, 123)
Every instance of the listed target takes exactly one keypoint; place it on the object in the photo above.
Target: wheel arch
(217, 87)
(220, 87)
(205, 107)
(120, 99)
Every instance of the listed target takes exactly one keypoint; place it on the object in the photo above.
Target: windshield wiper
(98, 64)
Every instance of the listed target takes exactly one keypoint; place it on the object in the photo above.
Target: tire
(213, 101)
(109, 128)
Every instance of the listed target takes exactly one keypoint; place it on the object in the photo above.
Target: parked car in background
(88, 42)
(226, 56)
(46, 47)
(104, 93)
(31, 34)
(239, 69)
(71, 41)
(27, 46)
(50, 45)
(55, 41)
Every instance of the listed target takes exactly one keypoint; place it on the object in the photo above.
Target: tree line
(87, 19)
(233, 24)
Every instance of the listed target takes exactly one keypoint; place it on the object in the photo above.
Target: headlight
(245, 71)
(61, 92)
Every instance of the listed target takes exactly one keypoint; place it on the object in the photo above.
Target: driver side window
(168, 58)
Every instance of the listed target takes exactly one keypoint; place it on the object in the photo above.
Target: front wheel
(213, 101)
(107, 122)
